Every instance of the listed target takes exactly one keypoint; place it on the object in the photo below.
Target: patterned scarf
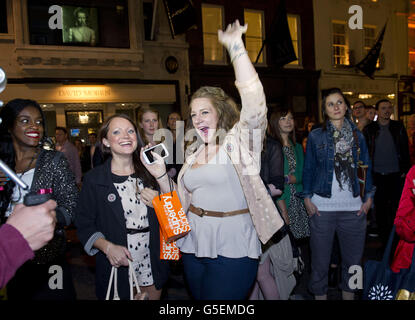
(343, 156)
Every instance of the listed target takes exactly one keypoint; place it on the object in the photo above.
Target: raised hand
(231, 39)
(158, 167)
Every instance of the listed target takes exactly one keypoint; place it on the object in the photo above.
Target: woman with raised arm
(331, 193)
(227, 204)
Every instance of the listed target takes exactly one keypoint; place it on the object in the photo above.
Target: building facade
(101, 58)
(294, 85)
(339, 47)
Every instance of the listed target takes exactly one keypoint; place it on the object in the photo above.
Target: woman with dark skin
(22, 135)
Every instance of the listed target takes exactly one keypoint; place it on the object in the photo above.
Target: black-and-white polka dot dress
(135, 213)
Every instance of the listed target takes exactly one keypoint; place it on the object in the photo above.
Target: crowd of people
(256, 204)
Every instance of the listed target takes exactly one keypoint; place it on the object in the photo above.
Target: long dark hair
(273, 126)
(8, 114)
(325, 94)
(139, 169)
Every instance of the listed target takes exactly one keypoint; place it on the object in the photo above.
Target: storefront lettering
(84, 93)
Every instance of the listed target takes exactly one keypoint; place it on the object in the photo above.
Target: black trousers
(387, 196)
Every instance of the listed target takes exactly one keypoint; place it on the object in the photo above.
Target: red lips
(33, 134)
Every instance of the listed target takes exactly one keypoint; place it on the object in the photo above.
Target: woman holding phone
(114, 217)
(227, 204)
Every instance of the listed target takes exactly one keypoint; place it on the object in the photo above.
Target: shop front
(82, 108)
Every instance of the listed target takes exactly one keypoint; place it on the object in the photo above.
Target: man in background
(387, 142)
(69, 150)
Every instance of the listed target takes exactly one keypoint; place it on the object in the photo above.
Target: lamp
(83, 118)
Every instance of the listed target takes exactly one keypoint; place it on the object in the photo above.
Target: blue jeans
(351, 232)
(220, 278)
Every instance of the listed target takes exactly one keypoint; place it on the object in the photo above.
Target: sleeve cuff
(248, 83)
(14, 241)
(89, 249)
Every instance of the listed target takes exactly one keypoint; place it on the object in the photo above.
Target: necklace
(26, 170)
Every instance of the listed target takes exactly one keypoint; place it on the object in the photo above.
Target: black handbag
(361, 168)
(57, 246)
(381, 283)
(53, 250)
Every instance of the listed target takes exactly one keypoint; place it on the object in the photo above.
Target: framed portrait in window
(80, 26)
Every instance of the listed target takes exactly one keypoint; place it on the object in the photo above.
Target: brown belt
(202, 212)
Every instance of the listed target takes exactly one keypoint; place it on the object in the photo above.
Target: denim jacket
(319, 164)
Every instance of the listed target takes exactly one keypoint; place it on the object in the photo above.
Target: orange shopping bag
(171, 216)
(168, 251)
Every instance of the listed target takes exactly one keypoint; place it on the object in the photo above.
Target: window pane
(340, 47)
(338, 28)
(254, 20)
(253, 46)
(211, 23)
(89, 23)
(293, 26)
(212, 19)
(3, 16)
(254, 36)
(213, 51)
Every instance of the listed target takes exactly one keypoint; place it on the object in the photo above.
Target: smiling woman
(115, 218)
(22, 135)
(227, 205)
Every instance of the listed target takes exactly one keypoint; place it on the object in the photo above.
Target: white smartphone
(160, 149)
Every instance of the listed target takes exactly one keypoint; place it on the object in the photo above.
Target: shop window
(340, 44)
(85, 23)
(411, 44)
(254, 36)
(212, 21)
(148, 18)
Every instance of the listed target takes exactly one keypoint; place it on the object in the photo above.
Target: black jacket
(272, 164)
(96, 213)
(400, 139)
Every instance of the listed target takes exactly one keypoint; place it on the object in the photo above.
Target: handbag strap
(113, 278)
(132, 276)
(388, 249)
(356, 140)
(109, 284)
(116, 296)
(412, 268)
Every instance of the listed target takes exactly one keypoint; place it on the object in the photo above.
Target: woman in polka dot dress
(115, 219)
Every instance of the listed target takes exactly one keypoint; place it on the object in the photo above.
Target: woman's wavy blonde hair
(225, 106)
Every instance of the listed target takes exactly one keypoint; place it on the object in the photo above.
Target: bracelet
(108, 247)
(238, 55)
(162, 175)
